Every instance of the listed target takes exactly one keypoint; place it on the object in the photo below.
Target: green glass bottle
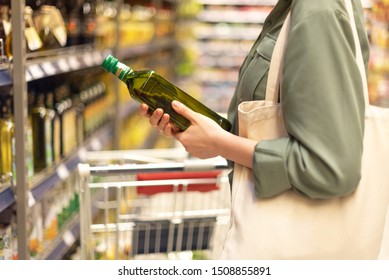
(148, 87)
(6, 142)
(55, 137)
(41, 132)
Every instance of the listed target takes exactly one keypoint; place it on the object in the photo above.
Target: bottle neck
(122, 71)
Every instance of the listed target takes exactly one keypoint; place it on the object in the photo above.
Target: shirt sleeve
(323, 107)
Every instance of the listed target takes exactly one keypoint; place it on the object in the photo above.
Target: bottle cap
(110, 64)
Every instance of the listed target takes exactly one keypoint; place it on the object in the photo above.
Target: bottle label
(57, 140)
(73, 26)
(61, 35)
(49, 146)
(58, 26)
(121, 70)
(33, 40)
(7, 27)
(13, 147)
(30, 158)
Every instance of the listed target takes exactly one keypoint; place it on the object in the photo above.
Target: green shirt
(322, 100)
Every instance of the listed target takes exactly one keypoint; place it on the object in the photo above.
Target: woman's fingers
(155, 118)
(158, 119)
(144, 110)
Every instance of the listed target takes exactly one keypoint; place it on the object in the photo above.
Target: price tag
(88, 59)
(36, 72)
(63, 172)
(28, 76)
(68, 238)
(31, 200)
(82, 154)
(74, 63)
(63, 65)
(49, 68)
(96, 144)
(97, 57)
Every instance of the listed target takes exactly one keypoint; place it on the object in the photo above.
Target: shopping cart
(152, 204)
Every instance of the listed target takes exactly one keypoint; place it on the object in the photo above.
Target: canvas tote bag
(289, 226)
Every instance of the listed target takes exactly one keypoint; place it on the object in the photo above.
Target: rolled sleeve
(270, 171)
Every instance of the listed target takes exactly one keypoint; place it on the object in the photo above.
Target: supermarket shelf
(45, 181)
(65, 239)
(66, 60)
(156, 45)
(49, 63)
(61, 172)
(233, 16)
(7, 197)
(239, 2)
(46, 64)
(215, 35)
(5, 77)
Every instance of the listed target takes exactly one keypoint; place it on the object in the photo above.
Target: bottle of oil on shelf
(88, 22)
(55, 126)
(50, 26)
(42, 133)
(7, 143)
(73, 23)
(80, 108)
(33, 40)
(29, 139)
(148, 87)
(5, 23)
(67, 113)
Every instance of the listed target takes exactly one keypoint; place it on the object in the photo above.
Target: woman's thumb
(182, 109)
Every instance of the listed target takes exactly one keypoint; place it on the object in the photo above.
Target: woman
(322, 103)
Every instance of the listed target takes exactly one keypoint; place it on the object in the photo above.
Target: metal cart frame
(152, 202)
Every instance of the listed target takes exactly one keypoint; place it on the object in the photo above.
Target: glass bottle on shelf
(7, 143)
(33, 40)
(55, 127)
(41, 128)
(80, 109)
(70, 122)
(60, 108)
(50, 26)
(148, 87)
(5, 24)
(67, 114)
(29, 138)
(88, 22)
(73, 24)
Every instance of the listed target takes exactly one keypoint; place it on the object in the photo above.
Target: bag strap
(276, 63)
(358, 51)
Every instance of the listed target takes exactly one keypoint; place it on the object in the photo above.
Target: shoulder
(303, 10)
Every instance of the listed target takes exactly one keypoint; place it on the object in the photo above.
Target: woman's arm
(204, 138)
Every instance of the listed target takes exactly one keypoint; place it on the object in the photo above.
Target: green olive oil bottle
(148, 87)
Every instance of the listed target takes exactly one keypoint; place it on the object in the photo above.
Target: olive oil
(42, 132)
(6, 143)
(146, 86)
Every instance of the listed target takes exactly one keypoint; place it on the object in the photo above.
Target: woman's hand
(158, 119)
(204, 138)
(201, 138)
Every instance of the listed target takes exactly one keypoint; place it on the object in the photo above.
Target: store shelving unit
(378, 79)
(225, 32)
(26, 68)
